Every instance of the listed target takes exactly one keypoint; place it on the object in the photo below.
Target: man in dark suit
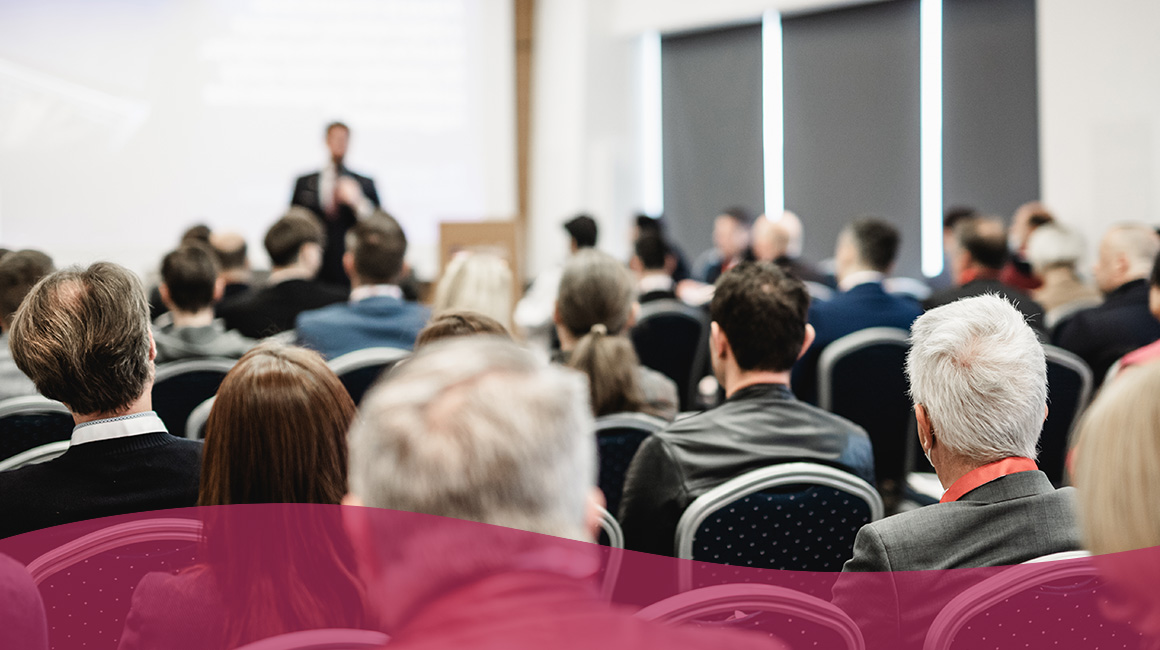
(978, 379)
(977, 255)
(1123, 323)
(83, 338)
(377, 315)
(294, 244)
(338, 197)
(864, 257)
(653, 266)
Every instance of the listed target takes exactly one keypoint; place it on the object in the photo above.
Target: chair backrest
(31, 421)
(672, 338)
(862, 377)
(334, 639)
(1062, 555)
(611, 536)
(181, 386)
(195, 425)
(807, 620)
(1069, 386)
(1041, 605)
(359, 370)
(35, 455)
(617, 437)
(802, 516)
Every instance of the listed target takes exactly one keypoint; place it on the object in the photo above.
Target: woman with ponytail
(594, 309)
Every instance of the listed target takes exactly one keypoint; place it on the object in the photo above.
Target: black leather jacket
(758, 426)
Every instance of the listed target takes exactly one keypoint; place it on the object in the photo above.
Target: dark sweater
(151, 471)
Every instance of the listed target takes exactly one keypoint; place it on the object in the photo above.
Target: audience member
(454, 324)
(978, 379)
(533, 316)
(653, 266)
(1101, 335)
(758, 331)
(457, 425)
(864, 257)
(1149, 352)
(233, 262)
(19, 272)
(1018, 271)
(190, 285)
(197, 234)
(478, 282)
(730, 245)
(294, 244)
(977, 255)
(82, 336)
(646, 226)
(376, 315)
(1053, 252)
(778, 239)
(951, 218)
(594, 310)
(276, 434)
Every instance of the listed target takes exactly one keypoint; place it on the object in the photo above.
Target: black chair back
(1069, 386)
(182, 385)
(617, 437)
(359, 370)
(673, 338)
(30, 422)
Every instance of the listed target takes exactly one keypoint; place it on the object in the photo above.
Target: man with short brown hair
(19, 271)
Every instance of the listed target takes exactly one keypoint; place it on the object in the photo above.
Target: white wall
(1099, 111)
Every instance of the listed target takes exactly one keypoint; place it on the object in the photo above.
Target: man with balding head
(233, 262)
(1103, 334)
(778, 239)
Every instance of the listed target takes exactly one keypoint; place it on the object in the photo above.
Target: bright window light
(772, 113)
(651, 145)
(930, 88)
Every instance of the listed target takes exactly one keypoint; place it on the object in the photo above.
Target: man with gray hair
(479, 430)
(83, 337)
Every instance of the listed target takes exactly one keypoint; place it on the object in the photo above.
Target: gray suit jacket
(1006, 521)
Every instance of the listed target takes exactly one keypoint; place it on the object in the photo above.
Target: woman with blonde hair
(477, 282)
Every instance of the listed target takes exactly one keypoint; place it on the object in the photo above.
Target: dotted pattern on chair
(19, 433)
(176, 397)
(617, 448)
(360, 380)
(94, 595)
(790, 631)
(795, 528)
(1062, 614)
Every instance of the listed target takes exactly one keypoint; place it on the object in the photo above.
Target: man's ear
(808, 340)
(219, 288)
(152, 346)
(348, 264)
(635, 265)
(165, 297)
(925, 430)
(556, 314)
(718, 343)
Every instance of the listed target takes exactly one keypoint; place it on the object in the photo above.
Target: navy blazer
(1101, 335)
(375, 322)
(862, 307)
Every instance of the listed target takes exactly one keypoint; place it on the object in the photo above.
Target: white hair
(980, 372)
(479, 282)
(1054, 245)
(481, 430)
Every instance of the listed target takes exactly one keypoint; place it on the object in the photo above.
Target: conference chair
(617, 437)
(359, 370)
(30, 422)
(862, 377)
(333, 639)
(802, 620)
(35, 455)
(1069, 387)
(1042, 605)
(790, 516)
(195, 425)
(180, 386)
(612, 538)
(673, 339)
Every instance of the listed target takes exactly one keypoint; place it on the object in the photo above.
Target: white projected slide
(122, 122)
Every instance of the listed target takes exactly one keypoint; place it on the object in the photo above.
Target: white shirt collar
(859, 277)
(655, 282)
(118, 427)
(374, 291)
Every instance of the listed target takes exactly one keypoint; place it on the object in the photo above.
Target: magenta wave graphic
(298, 577)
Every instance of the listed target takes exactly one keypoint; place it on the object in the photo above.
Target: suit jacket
(265, 311)
(306, 195)
(1009, 520)
(151, 471)
(1032, 310)
(758, 426)
(378, 321)
(863, 306)
(1103, 334)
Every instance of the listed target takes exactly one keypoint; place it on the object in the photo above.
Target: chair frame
(107, 539)
(611, 527)
(173, 369)
(628, 420)
(1073, 362)
(982, 596)
(849, 344)
(763, 479)
(360, 359)
(41, 454)
(197, 419)
(768, 598)
(30, 404)
(326, 639)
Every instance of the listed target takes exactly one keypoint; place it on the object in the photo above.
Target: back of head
(1138, 244)
(454, 324)
(379, 247)
(582, 229)
(83, 337)
(190, 276)
(230, 249)
(652, 251)
(196, 234)
(286, 237)
(277, 431)
(979, 370)
(762, 311)
(1053, 245)
(984, 239)
(19, 272)
(480, 430)
(876, 242)
(477, 282)
(954, 215)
